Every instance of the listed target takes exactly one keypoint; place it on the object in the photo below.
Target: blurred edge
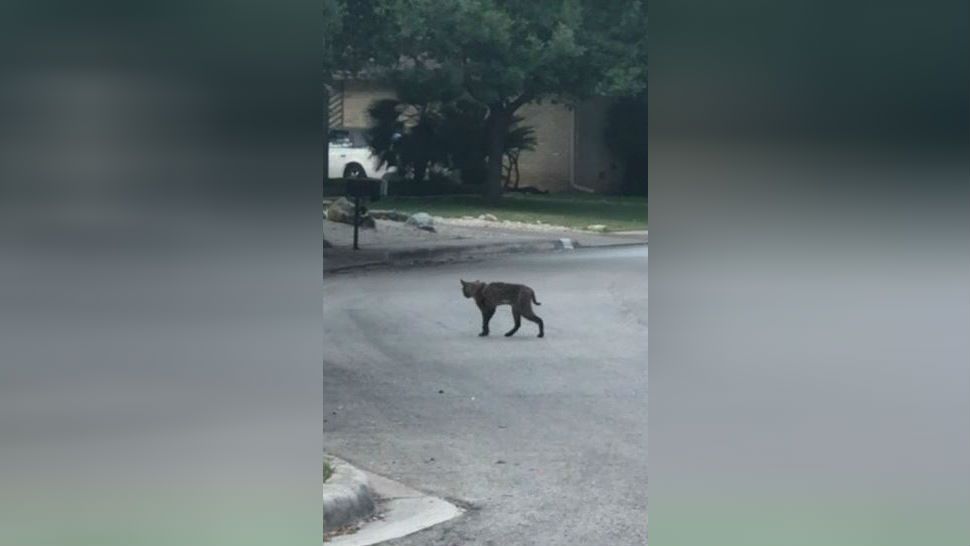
(809, 298)
(160, 272)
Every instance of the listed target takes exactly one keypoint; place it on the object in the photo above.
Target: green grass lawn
(571, 210)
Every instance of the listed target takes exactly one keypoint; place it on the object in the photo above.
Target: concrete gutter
(449, 252)
(347, 496)
(445, 253)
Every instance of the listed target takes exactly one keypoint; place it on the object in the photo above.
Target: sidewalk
(399, 243)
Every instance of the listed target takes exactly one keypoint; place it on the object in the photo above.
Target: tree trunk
(498, 127)
(515, 166)
(506, 172)
(420, 170)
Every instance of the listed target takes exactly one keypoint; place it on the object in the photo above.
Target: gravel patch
(471, 222)
(390, 234)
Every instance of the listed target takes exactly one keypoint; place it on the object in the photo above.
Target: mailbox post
(356, 220)
(359, 188)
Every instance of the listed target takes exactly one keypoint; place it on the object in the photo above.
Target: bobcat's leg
(518, 322)
(529, 314)
(486, 316)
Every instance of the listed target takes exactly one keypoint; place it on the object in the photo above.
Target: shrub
(438, 139)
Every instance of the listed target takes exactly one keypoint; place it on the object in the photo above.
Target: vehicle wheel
(354, 171)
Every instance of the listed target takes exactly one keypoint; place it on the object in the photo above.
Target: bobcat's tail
(534, 300)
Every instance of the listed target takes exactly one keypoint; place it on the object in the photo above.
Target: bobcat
(488, 296)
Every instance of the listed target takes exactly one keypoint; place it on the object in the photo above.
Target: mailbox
(364, 187)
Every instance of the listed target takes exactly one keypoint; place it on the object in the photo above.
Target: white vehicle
(350, 157)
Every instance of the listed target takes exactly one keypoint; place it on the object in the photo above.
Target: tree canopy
(501, 54)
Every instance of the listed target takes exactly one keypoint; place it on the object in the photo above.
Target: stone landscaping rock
(488, 217)
(342, 210)
(600, 228)
(421, 220)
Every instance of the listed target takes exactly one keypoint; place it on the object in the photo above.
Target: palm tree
(520, 138)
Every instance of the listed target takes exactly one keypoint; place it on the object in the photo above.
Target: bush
(412, 147)
(444, 136)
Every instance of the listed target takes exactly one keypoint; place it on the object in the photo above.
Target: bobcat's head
(468, 289)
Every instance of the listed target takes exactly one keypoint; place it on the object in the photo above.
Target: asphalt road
(545, 440)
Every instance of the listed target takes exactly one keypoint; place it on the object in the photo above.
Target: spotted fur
(488, 296)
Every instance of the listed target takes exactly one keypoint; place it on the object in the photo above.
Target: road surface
(545, 440)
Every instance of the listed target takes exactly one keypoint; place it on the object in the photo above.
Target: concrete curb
(404, 511)
(483, 249)
(355, 267)
(623, 244)
(347, 496)
(448, 253)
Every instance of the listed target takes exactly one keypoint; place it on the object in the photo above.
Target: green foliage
(498, 50)
(333, 15)
(422, 139)
(463, 132)
(497, 55)
(385, 126)
(367, 38)
(621, 47)
(519, 139)
(416, 138)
